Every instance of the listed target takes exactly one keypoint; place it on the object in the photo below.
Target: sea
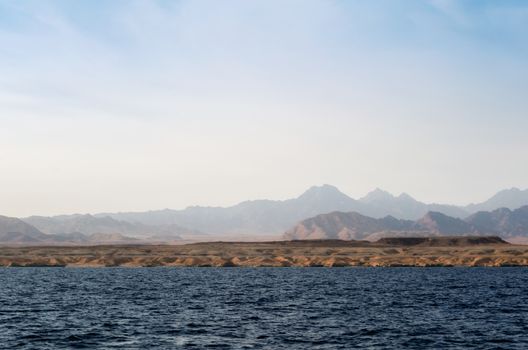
(264, 308)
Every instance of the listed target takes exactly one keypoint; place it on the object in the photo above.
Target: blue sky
(133, 105)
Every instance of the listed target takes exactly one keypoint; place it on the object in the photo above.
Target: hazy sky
(134, 105)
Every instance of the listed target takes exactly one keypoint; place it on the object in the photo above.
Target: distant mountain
(512, 199)
(504, 222)
(406, 207)
(347, 226)
(274, 217)
(89, 225)
(250, 217)
(339, 225)
(14, 230)
(382, 203)
(260, 217)
(442, 224)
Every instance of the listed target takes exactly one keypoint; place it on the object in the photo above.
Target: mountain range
(274, 217)
(88, 225)
(246, 219)
(339, 225)
(16, 231)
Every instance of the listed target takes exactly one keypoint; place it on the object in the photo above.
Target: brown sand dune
(437, 251)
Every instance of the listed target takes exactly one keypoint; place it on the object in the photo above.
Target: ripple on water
(263, 308)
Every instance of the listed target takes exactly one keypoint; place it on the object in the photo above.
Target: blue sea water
(264, 308)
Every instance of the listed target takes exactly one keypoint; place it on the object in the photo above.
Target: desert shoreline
(408, 252)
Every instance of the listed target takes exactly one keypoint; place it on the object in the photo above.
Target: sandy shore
(294, 253)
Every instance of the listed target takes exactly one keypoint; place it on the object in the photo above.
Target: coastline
(272, 254)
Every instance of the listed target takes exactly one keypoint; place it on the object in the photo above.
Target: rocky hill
(339, 225)
(347, 226)
(504, 222)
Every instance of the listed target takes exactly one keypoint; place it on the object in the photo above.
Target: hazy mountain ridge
(442, 224)
(252, 217)
(512, 198)
(257, 216)
(274, 217)
(338, 225)
(89, 225)
(81, 229)
(16, 231)
(404, 206)
(503, 221)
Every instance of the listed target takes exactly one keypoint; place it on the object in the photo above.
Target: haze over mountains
(274, 217)
(88, 224)
(246, 219)
(511, 199)
(16, 231)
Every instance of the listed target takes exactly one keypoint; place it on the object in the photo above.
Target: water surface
(264, 308)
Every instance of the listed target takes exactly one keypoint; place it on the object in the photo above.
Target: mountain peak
(322, 191)
(405, 196)
(512, 198)
(508, 192)
(377, 195)
(443, 224)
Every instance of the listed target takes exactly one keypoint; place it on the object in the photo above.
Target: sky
(135, 105)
